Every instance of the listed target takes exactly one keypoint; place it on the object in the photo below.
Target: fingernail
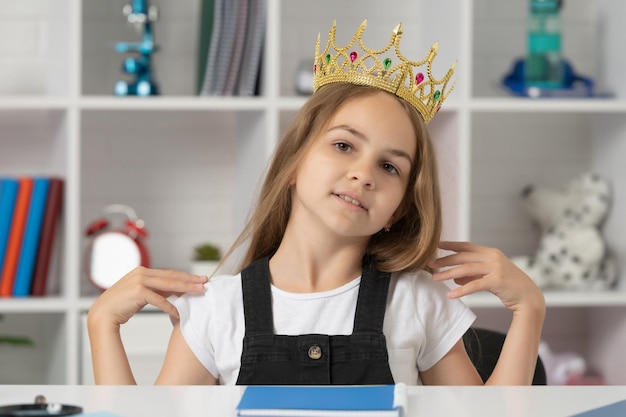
(202, 278)
(198, 286)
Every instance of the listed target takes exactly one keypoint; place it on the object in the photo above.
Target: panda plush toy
(571, 254)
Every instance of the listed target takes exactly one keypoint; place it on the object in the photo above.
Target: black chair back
(483, 347)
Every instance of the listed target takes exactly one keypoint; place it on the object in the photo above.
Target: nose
(363, 173)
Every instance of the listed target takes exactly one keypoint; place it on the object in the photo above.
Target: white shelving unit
(189, 166)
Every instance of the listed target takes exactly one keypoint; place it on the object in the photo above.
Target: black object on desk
(39, 408)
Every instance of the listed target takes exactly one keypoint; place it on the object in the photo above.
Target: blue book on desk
(617, 409)
(30, 242)
(323, 401)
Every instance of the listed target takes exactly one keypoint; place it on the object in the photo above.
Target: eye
(389, 168)
(343, 146)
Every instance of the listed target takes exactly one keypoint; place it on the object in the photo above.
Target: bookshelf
(189, 166)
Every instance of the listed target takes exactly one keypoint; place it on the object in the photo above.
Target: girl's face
(354, 177)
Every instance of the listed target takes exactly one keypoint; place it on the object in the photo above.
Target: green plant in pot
(206, 259)
(11, 340)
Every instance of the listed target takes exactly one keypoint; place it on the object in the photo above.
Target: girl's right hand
(140, 287)
(479, 268)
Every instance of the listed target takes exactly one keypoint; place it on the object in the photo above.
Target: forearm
(109, 360)
(518, 358)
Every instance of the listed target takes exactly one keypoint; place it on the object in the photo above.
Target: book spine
(252, 55)
(8, 194)
(226, 45)
(30, 242)
(48, 230)
(234, 67)
(14, 243)
(208, 86)
(204, 41)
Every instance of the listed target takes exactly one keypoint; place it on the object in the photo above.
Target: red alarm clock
(116, 246)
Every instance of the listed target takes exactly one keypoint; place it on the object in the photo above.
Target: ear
(292, 178)
(398, 214)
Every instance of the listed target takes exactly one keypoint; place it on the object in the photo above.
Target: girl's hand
(478, 268)
(140, 287)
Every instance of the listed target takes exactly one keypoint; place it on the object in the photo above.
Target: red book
(16, 233)
(48, 230)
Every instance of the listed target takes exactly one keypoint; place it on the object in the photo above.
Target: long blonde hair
(412, 240)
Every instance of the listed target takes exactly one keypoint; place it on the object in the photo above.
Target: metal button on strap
(315, 352)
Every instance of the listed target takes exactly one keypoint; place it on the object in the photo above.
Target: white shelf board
(558, 299)
(173, 103)
(520, 104)
(33, 102)
(294, 103)
(167, 103)
(84, 304)
(33, 305)
(488, 300)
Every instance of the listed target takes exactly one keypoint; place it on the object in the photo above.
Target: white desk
(148, 401)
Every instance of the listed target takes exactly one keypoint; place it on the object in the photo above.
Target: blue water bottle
(544, 65)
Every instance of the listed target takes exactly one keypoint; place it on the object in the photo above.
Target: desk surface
(188, 401)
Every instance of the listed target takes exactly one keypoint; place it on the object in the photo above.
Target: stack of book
(232, 34)
(324, 401)
(30, 209)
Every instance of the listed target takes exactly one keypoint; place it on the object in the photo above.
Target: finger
(163, 280)
(162, 304)
(452, 260)
(467, 289)
(457, 246)
(466, 252)
(477, 269)
(455, 259)
(169, 285)
(466, 280)
(173, 274)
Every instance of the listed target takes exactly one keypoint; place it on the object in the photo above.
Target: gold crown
(409, 80)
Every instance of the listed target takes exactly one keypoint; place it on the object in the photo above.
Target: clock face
(113, 255)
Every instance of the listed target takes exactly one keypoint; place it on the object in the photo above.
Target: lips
(351, 200)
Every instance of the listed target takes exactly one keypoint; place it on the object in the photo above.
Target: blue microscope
(140, 15)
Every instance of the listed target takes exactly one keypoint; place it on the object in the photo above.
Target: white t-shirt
(421, 324)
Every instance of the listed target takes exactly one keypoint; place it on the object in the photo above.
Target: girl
(335, 285)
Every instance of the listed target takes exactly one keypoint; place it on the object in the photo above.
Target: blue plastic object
(574, 85)
(139, 65)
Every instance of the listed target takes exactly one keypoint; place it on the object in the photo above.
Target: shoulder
(224, 282)
(221, 293)
(427, 298)
(212, 322)
(418, 283)
(419, 306)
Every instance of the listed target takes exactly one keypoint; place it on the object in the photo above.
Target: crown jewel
(409, 80)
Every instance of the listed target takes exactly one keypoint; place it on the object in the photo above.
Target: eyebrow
(360, 135)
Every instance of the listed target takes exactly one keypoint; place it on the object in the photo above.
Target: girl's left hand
(478, 268)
